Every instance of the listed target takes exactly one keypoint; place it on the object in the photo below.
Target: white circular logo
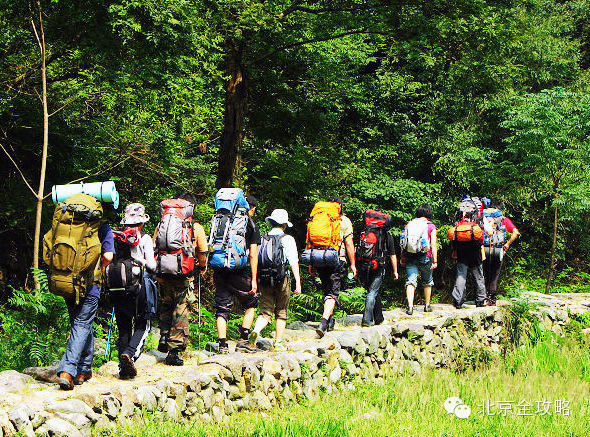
(455, 405)
(462, 411)
(451, 403)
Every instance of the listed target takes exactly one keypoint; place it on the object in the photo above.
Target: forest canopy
(385, 103)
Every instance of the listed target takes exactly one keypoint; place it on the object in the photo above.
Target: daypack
(323, 228)
(370, 251)
(124, 274)
(465, 231)
(272, 268)
(227, 239)
(175, 252)
(72, 248)
(493, 217)
(414, 238)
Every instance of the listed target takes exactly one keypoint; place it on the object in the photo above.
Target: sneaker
(223, 350)
(128, 370)
(457, 305)
(279, 346)
(253, 338)
(427, 309)
(331, 323)
(173, 359)
(410, 310)
(321, 331)
(244, 346)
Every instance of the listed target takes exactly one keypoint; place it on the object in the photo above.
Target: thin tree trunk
(235, 109)
(40, 193)
(553, 246)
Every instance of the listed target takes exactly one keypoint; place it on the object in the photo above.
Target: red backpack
(370, 251)
(175, 252)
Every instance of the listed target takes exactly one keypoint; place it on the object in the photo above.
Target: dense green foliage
(385, 103)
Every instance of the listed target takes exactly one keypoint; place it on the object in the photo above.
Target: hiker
(466, 242)
(179, 241)
(77, 222)
(419, 255)
(496, 246)
(329, 243)
(234, 241)
(134, 299)
(276, 250)
(376, 246)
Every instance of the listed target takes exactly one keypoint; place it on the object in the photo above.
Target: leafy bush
(33, 327)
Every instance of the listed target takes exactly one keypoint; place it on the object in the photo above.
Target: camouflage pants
(176, 295)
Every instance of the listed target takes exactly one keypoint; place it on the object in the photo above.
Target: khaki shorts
(274, 300)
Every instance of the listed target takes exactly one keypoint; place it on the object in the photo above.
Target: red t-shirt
(507, 223)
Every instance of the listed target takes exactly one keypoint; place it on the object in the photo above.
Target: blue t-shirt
(105, 235)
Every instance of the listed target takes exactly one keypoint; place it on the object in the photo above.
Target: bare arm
(434, 249)
(393, 259)
(106, 259)
(513, 236)
(297, 278)
(254, 267)
(349, 244)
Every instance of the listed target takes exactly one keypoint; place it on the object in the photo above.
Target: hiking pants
(372, 281)
(79, 353)
(332, 279)
(132, 324)
(174, 311)
(491, 270)
(461, 282)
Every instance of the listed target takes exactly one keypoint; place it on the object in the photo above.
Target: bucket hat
(135, 214)
(280, 217)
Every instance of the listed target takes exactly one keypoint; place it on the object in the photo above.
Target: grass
(553, 369)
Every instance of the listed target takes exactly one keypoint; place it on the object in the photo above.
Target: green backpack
(72, 248)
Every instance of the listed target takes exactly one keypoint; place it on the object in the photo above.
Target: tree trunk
(553, 246)
(235, 109)
(40, 192)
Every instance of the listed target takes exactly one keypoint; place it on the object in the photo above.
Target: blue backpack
(492, 218)
(227, 239)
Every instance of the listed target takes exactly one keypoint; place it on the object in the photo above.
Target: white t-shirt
(289, 247)
(144, 252)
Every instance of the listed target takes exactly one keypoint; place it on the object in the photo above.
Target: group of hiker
(138, 271)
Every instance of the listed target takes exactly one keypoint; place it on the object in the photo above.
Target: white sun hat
(280, 217)
(135, 214)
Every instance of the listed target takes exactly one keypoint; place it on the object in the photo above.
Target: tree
(549, 144)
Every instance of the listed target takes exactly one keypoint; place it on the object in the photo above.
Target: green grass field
(553, 373)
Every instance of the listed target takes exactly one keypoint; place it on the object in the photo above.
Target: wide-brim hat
(280, 217)
(135, 215)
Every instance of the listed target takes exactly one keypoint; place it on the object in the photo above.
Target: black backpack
(124, 274)
(370, 251)
(272, 268)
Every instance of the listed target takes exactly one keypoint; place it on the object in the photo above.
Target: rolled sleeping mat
(103, 191)
(321, 257)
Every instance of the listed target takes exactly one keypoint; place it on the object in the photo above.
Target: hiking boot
(65, 381)
(410, 310)
(457, 305)
(253, 338)
(173, 359)
(223, 350)
(379, 321)
(427, 309)
(81, 378)
(321, 331)
(491, 302)
(244, 346)
(162, 346)
(331, 323)
(128, 370)
(480, 304)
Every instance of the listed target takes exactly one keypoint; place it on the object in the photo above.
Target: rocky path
(210, 387)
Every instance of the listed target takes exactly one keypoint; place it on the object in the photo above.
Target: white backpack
(414, 238)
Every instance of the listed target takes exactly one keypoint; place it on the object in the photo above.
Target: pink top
(431, 229)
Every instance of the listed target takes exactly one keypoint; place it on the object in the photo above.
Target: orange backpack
(465, 231)
(323, 228)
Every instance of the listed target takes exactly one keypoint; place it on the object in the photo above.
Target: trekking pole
(199, 305)
(107, 349)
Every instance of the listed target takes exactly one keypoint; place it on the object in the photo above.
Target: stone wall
(210, 387)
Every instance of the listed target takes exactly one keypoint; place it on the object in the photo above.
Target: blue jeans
(79, 352)
(420, 265)
(373, 306)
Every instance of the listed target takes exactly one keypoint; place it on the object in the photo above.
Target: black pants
(133, 326)
(491, 271)
(332, 279)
